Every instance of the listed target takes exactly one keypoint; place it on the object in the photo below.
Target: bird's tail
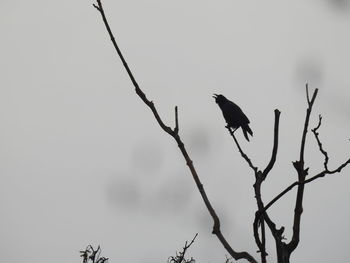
(246, 129)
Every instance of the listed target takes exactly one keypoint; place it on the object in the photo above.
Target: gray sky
(82, 160)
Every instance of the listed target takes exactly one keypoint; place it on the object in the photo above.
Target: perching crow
(233, 115)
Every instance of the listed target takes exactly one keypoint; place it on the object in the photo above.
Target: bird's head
(220, 99)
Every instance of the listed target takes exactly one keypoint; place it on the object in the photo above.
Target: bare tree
(262, 219)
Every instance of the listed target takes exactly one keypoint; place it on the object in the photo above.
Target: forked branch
(261, 216)
(302, 172)
(326, 171)
(180, 257)
(319, 143)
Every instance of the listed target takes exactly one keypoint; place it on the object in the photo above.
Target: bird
(233, 115)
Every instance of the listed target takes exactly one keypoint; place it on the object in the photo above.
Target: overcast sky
(82, 160)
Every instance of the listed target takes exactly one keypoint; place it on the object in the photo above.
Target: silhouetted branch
(228, 260)
(275, 145)
(260, 218)
(322, 174)
(302, 172)
(306, 123)
(139, 92)
(180, 258)
(98, 9)
(174, 133)
(319, 175)
(314, 130)
(307, 94)
(261, 215)
(245, 157)
(176, 130)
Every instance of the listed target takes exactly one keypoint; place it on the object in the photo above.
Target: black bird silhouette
(233, 115)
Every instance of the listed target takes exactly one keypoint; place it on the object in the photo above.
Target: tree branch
(275, 145)
(261, 216)
(176, 130)
(302, 172)
(174, 133)
(319, 143)
(319, 175)
(139, 92)
(245, 157)
(181, 257)
(306, 124)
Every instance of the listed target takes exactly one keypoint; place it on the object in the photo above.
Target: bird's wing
(234, 113)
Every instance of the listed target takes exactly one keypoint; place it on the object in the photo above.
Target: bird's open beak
(215, 96)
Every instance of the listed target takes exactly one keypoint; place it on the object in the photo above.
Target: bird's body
(233, 115)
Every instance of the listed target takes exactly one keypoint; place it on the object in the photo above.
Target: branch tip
(176, 130)
(319, 123)
(307, 93)
(319, 143)
(275, 145)
(236, 255)
(98, 8)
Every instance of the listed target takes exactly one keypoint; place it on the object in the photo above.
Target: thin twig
(139, 92)
(319, 143)
(245, 157)
(319, 175)
(184, 249)
(307, 93)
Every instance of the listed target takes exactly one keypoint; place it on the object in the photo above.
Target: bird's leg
(231, 130)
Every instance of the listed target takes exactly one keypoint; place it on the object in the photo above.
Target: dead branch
(180, 258)
(174, 133)
(319, 143)
(261, 216)
(275, 145)
(302, 172)
(319, 175)
(245, 157)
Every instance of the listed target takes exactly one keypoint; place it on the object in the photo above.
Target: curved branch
(174, 133)
(319, 143)
(275, 145)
